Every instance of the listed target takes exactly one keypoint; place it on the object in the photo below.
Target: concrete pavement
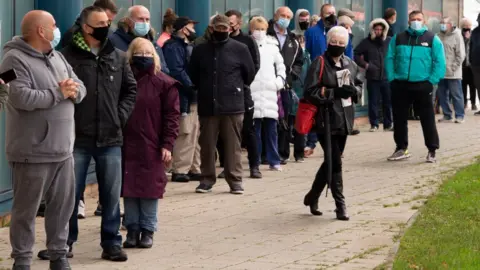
(269, 228)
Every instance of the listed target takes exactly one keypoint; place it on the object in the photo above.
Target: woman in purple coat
(148, 142)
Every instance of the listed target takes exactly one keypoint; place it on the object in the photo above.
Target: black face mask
(191, 35)
(304, 25)
(466, 30)
(100, 33)
(142, 62)
(331, 19)
(335, 51)
(220, 36)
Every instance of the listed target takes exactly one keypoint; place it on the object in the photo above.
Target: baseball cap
(180, 22)
(221, 20)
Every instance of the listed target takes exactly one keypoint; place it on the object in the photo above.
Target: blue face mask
(416, 25)
(57, 36)
(141, 29)
(443, 27)
(283, 23)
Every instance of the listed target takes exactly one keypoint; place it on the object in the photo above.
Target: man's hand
(69, 88)
(166, 156)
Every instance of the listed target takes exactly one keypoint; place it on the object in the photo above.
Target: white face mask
(259, 35)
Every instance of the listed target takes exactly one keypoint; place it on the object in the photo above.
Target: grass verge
(446, 234)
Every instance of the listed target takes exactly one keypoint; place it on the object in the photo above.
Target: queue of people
(140, 107)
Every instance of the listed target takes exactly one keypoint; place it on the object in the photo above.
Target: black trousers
(467, 81)
(404, 94)
(249, 140)
(338, 145)
(299, 140)
(284, 138)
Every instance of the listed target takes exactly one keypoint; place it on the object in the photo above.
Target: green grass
(446, 235)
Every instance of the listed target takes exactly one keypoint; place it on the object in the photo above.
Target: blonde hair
(138, 42)
(258, 20)
(345, 20)
(338, 31)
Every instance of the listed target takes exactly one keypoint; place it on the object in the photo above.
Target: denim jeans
(140, 214)
(108, 168)
(377, 90)
(312, 139)
(451, 89)
(271, 140)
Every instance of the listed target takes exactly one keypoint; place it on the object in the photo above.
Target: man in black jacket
(293, 58)
(474, 56)
(99, 119)
(220, 69)
(370, 55)
(248, 131)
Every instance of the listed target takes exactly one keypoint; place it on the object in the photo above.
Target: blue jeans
(377, 90)
(312, 139)
(108, 167)
(451, 89)
(271, 137)
(140, 214)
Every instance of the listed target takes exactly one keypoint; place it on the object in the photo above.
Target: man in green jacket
(415, 62)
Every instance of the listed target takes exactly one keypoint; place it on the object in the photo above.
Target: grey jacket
(40, 125)
(3, 96)
(454, 53)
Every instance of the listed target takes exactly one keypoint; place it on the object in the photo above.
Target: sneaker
(276, 168)
(474, 108)
(445, 120)
(180, 178)
(194, 176)
(81, 210)
(203, 188)
(60, 264)
(300, 160)
(237, 191)
(388, 129)
(255, 173)
(460, 120)
(373, 129)
(114, 254)
(98, 211)
(431, 157)
(355, 132)
(221, 175)
(284, 161)
(43, 254)
(399, 154)
(308, 151)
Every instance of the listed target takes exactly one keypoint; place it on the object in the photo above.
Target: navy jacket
(177, 55)
(121, 40)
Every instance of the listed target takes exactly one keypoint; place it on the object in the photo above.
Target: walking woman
(270, 79)
(324, 90)
(148, 143)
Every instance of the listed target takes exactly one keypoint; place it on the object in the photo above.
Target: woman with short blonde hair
(148, 140)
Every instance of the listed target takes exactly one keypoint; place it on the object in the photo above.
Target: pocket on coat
(58, 137)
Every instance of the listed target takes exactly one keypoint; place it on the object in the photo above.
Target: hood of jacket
(456, 31)
(298, 31)
(20, 44)
(381, 21)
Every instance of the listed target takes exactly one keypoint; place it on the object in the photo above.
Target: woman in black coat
(328, 94)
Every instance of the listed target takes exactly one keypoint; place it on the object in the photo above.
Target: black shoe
(147, 239)
(474, 107)
(180, 178)
(342, 214)
(255, 173)
(312, 202)
(221, 175)
(60, 264)
(265, 162)
(41, 210)
(202, 188)
(355, 132)
(98, 211)
(114, 254)
(284, 162)
(43, 254)
(21, 267)
(194, 176)
(133, 238)
(237, 190)
(300, 160)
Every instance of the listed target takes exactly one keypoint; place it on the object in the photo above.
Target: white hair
(279, 8)
(339, 32)
(465, 21)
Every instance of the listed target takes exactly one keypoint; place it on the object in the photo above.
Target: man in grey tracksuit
(39, 138)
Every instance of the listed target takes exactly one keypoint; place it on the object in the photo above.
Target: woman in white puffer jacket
(268, 81)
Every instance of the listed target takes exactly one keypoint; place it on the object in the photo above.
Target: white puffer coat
(267, 83)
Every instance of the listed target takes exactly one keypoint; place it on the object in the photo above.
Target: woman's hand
(166, 156)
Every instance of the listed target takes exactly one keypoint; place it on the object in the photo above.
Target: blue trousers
(451, 89)
(141, 214)
(271, 140)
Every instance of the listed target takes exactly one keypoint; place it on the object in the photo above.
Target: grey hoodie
(40, 125)
(454, 47)
(297, 31)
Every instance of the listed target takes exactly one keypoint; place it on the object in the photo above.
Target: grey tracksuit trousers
(31, 182)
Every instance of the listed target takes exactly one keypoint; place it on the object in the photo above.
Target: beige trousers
(186, 151)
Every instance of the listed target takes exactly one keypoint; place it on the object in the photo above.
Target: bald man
(136, 24)
(292, 54)
(39, 137)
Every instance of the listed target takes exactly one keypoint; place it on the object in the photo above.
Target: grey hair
(279, 8)
(448, 20)
(465, 21)
(130, 9)
(338, 31)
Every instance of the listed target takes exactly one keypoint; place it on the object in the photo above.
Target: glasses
(144, 54)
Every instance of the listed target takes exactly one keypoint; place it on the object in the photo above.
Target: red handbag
(306, 111)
